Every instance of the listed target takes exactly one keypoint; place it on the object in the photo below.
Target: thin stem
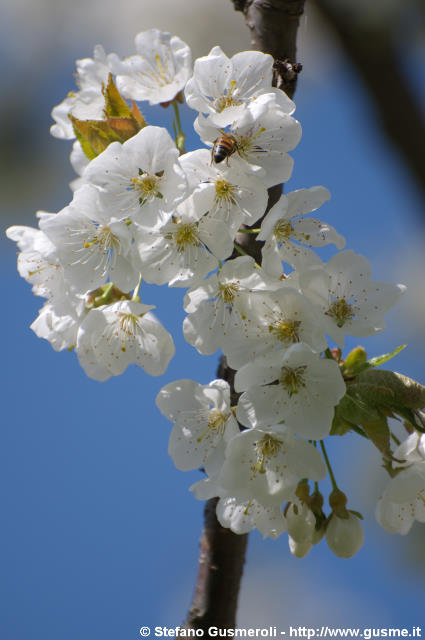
(328, 464)
(242, 251)
(394, 437)
(242, 230)
(180, 137)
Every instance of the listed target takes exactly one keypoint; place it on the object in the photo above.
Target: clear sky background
(100, 534)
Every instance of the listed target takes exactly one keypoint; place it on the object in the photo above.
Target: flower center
(106, 240)
(216, 424)
(186, 235)
(340, 311)
(128, 327)
(227, 292)
(283, 230)
(224, 192)
(163, 76)
(293, 379)
(227, 100)
(285, 330)
(265, 449)
(246, 144)
(147, 186)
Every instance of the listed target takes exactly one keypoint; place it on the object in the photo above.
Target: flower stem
(242, 230)
(328, 464)
(180, 137)
(242, 251)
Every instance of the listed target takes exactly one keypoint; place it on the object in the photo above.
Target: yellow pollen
(147, 186)
(227, 292)
(186, 234)
(293, 379)
(283, 230)
(224, 191)
(216, 423)
(341, 312)
(265, 449)
(228, 100)
(286, 330)
(104, 238)
(129, 323)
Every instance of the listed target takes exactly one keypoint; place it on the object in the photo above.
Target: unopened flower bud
(301, 522)
(299, 549)
(344, 535)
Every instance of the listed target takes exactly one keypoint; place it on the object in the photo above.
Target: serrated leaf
(405, 391)
(93, 135)
(137, 115)
(115, 105)
(385, 357)
(125, 128)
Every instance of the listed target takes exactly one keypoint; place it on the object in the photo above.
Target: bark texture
(273, 25)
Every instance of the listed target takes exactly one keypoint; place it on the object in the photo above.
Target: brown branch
(273, 25)
(371, 47)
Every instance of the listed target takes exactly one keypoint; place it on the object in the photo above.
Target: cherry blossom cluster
(144, 210)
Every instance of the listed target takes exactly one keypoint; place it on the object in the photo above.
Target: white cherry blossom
(185, 249)
(273, 320)
(158, 71)
(228, 193)
(242, 514)
(219, 304)
(38, 261)
(58, 321)
(91, 247)
(88, 102)
(403, 500)
(263, 134)
(221, 87)
(203, 422)
(114, 336)
(307, 390)
(284, 231)
(140, 179)
(267, 464)
(350, 301)
(79, 162)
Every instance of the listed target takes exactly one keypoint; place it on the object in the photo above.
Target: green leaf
(376, 362)
(379, 433)
(93, 135)
(115, 105)
(353, 408)
(405, 392)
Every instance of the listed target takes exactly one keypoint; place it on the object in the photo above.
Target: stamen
(341, 311)
(285, 330)
(293, 379)
(265, 449)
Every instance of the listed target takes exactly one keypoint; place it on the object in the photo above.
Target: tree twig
(273, 25)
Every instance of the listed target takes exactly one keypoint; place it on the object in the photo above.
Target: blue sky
(100, 533)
